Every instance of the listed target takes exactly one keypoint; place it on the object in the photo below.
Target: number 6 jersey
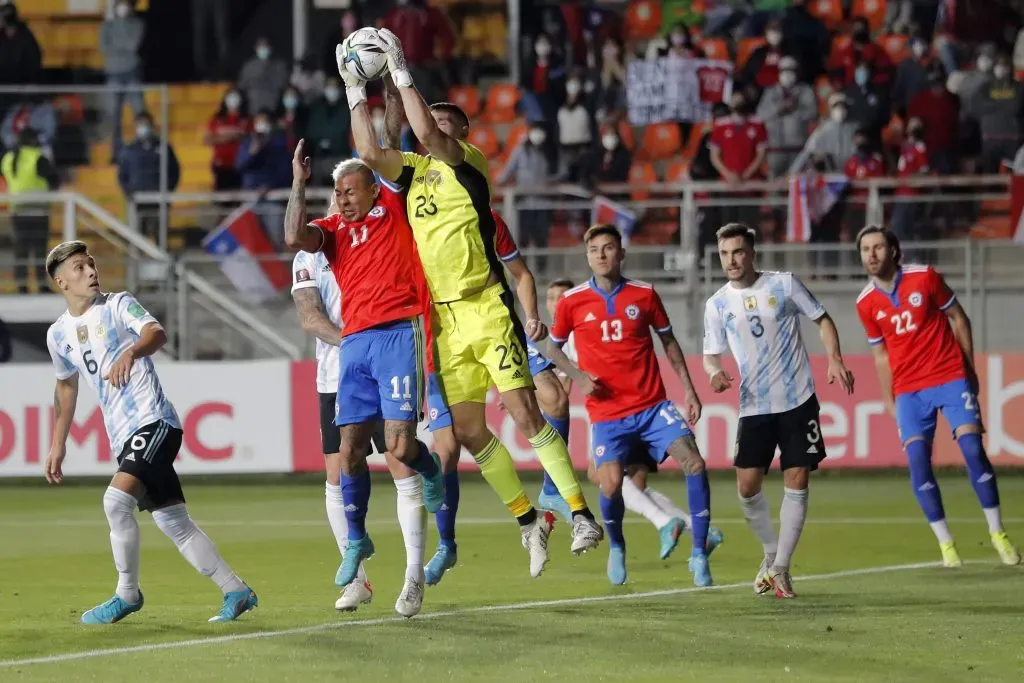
(89, 345)
(761, 326)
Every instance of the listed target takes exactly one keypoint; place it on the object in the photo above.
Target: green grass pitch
(862, 614)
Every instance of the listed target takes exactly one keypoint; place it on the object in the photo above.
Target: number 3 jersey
(911, 322)
(612, 331)
(89, 345)
(760, 324)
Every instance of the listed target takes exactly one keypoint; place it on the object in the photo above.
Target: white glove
(390, 43)
(355, 87)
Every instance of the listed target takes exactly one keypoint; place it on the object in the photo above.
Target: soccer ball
(363, 57)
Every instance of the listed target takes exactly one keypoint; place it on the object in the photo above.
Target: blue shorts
(437, 407)
(379, 374)
(657, 428)
(916, 411)
(538, 363)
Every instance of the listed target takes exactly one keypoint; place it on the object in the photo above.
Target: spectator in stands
(862, 50)
(307, 80)
(347, 24)
(701, 168)
(263, 78)
(762, 68)
(610, 94)
(868, 102)
(788, 110)
(292, 116)
(738, 146)
(543, 80)
(938, 112)
(27, 169)
(914, 73)
(607, 163)
(534, 163)
(224, 133)
(427, 41)
(864, 164)
(831, 143)
(120, 38)
(138, 167)
(328, 132)
(21, 61)
(40, 117)
(680, 44)
(576, 128)
(207, 14)
(973, 81)
(263, 158)
(1000, 107)
(913, 161)
(805, 37)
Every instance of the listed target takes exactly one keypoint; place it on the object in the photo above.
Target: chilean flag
(809, 200)
(605, 211)
(247, 257)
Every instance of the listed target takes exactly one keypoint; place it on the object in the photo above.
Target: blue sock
(560, 425)
(983, 478)
(613, 510)
(446, 515)
(919, 459)
(698, 494)
(424, 463)
(355, 492)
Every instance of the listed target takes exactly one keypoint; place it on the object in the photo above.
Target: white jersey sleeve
(303, 272)
(59, 350)
(131, 313)
(715, 340)
(803, 299)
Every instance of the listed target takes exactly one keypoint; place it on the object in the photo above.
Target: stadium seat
(626, 135)
(502, 99)
(660, 141)
(485, 139)
(561, 236)
(746, 48)
(642, 173)
(677, 171)
(643, 19)
(715, 48)
(516, 134)
(467, 97)
(656, 232)
(70, 108)
(829, 11)
(896, 45)
(872, 10)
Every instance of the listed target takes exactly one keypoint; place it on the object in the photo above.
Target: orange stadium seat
(484, 138)
(467, 97)
(872, 10)
(656, 232)
(515, 135)
(625, 132)
(642, 173)
(643, 19)
(746, 48)
(677, 171)
(829, 11)
(660, 141)
(502, 99)
(898, 46)
(715, 48)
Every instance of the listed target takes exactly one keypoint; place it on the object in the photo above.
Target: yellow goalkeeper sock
(554, 457)
(500, 472)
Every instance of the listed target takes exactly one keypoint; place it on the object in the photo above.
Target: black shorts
(640, 456)
(148, 455)
(330, 434)
(796, 433)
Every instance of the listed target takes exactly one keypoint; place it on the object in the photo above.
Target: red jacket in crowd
(940, 114)
(846, 59)
(424, 31)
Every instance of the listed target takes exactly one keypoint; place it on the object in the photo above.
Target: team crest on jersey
(916, 299)
(433, 178)
(433, 413)
(302, 275)
(599, 451)
(750, 303)
(83, 334)
(376, 212)
(632, 311)
(772, 301)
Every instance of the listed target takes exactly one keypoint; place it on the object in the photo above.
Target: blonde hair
(62, 252)
(350, 166)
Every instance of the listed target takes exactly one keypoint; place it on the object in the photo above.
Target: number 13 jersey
(761, 326)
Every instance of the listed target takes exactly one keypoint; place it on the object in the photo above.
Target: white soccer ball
(363, 56)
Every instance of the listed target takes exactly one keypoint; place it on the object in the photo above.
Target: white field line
(510, 607)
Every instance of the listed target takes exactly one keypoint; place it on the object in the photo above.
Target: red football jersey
(913, 161)
(861, 168)
(612, 334)
(738, 143)
(912, 323)
(711, 83)
(375, 263)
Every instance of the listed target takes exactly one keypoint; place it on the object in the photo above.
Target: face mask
(332, 94)
(915, 133)
(984, 63)
(537, 136)
(543, 49)
(143, 130)
(739, 110)
(572, 88)
(233, 101)
(262, 127)
(290, 101)
(123, 11)
(679, 39)
(787, 78)
(378, 123)
(1001, 71)
(774, 38)
(609, 142)
(919, 49)
(839, 114)
(861, 36)
(860, 77)
(263, 52)
(862, 148)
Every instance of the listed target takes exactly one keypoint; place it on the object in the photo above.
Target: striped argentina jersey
(313, 271)
(89, 345)
(761, 326)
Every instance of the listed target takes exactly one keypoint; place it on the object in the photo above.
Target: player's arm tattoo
(557, 356)
(298, 233)
(961, 325)
(394, 115)
(677, 360)
(312, 317)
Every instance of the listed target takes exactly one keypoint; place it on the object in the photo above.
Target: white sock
(941, 531)
(412, 517)
(792, 516)
(339, 524)
(637, 502)
(124, 541)
(759, 519)
(196, 547)
(994, 519)
(666, 504)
